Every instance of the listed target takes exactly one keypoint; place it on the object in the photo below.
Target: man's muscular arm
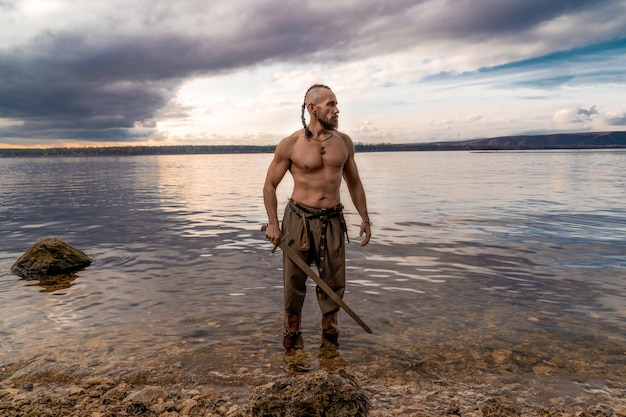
(357, 193)
(275, 173)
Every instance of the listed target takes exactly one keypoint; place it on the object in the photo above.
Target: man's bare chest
(311, 157)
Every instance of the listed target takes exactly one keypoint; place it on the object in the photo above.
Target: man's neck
(317, 130)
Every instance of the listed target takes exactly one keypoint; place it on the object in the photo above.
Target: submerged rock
(50, 257)
(311, 395)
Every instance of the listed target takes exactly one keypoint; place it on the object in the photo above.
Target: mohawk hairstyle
(307, 132)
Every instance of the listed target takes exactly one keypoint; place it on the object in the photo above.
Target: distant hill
(588, 140)
(594, 140)
(559, 141)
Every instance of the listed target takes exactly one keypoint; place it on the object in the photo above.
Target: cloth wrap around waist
(324, 215)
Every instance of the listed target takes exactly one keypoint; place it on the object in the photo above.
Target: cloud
(616, 118)
(112, 71)
(578, 115)
(586, 114)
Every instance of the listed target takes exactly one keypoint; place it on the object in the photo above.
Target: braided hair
(307, 132)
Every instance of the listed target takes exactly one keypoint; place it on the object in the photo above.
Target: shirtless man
(318, 157)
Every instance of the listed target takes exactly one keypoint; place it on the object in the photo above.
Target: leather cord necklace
(321, 142)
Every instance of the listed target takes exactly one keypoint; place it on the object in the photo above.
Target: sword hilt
(263, 229)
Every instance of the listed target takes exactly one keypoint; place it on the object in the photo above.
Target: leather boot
(330, 330)
(292, 338)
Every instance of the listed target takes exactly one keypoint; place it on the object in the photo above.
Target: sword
(291, 254)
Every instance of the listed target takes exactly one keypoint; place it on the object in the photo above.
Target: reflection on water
(54, 283)
(480, 251)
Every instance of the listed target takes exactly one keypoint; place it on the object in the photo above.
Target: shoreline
(422, 381)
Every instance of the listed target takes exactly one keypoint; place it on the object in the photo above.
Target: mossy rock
(311, 395)
(50, 257)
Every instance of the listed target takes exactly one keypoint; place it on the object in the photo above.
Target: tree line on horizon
(587, 140)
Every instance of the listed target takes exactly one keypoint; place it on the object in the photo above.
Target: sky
(225, 72)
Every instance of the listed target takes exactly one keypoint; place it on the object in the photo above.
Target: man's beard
(329, 124)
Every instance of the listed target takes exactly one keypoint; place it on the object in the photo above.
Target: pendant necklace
(321, 142)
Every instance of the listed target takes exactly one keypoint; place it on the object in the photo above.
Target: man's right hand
(272, 233)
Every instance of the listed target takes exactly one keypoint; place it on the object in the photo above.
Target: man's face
(326, 110)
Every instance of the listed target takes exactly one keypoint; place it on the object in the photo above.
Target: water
(472, 253)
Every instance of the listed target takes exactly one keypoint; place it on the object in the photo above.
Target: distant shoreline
(565, 141)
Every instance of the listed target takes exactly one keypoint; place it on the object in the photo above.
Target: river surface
(476, 251)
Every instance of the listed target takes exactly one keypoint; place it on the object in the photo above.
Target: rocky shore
(105, 397)
(451, 383)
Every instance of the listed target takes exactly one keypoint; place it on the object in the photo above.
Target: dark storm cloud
(97, 85)
(59, 87)
(619, 120)
(588, 113)
(63, 83)
(480, 18)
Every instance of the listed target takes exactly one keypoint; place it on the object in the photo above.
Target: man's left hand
(366, 229)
